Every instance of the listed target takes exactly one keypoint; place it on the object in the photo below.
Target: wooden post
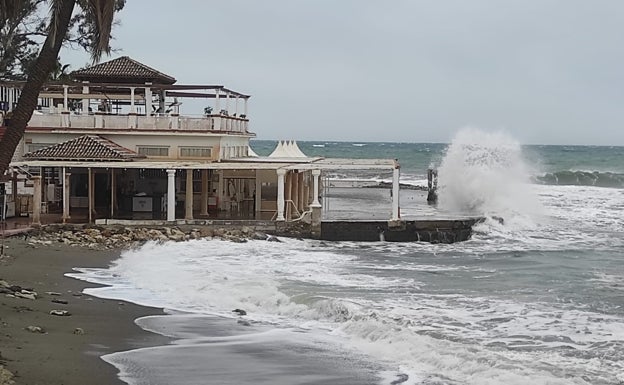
(66, 193)
(14, 192)
(301, 201)
(295, 189)
(90, 194)
(288, 193)
(113, 188)
(188, 201)
(204, 193)
(36, 220)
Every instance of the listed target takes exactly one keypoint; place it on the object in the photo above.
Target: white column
(280, 194)
(217, 111)
(171, 195)
(315, 202)
(245, 107)
(132, 109)
(148, 99)
(395, 194)
(11, 92)
(65, 87)
(85, 101)
(66, 177)
(227, 102)
(217, 103)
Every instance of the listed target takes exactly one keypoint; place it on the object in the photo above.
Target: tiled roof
(86, 147)
(122, 69)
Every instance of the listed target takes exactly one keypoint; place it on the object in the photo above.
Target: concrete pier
(426, 230)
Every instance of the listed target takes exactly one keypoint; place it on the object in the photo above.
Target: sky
(543, 71)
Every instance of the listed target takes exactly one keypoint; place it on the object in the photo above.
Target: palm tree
(101, 12)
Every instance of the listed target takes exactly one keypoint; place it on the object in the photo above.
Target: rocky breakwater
(109, 237)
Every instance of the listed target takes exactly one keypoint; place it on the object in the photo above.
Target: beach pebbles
(61, 313)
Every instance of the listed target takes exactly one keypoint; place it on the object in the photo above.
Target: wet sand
(62, 354)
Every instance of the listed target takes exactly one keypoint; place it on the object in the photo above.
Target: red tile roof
(85, 148)
(122, 70)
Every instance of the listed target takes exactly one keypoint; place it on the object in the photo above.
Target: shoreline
(67, 349)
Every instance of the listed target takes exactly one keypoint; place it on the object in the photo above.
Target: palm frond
(102, 12)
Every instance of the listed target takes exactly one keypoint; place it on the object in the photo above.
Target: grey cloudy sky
(546, 71)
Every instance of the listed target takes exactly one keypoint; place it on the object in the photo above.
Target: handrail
(288, 214)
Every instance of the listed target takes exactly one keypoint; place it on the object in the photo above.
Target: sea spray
(484, 173)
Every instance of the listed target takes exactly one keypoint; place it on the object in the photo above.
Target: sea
(536, 296)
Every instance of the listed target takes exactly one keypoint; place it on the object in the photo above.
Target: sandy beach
(67, 349)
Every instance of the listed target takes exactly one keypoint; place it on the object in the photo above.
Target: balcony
(102, 121)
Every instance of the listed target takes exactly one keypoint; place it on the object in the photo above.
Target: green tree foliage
(98, 17)
(24, 26)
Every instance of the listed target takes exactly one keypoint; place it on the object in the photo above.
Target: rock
(272, 238)
(29, 292)
(60, 313)
(61, 301)
(79, 331)
(25, 296)
(15, 288)
(243, 322)
(35, 329)
(259, 236)
(4, 283)
(239, 311)
(206, 232)
(498, 219)
(6, 376)
(53, 293)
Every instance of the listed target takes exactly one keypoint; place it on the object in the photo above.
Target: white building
(113, 143)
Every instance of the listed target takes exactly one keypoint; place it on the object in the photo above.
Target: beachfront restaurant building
(113, 143)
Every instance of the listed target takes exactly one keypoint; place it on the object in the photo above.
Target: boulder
(239, 311)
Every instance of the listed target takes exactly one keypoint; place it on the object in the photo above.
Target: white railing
(122, 122)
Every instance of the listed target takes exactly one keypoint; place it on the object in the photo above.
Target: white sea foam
(484, 173)
(364, 303)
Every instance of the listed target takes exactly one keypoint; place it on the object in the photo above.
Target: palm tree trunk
(37, 75)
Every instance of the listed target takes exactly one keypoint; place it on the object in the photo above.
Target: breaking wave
(582, 178)
(485, 173)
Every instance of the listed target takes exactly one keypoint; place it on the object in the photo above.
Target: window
(153, 151)
(195, 152)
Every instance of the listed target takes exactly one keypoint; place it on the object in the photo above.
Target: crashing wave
(582, 178)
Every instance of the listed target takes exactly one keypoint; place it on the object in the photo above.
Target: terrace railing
(220, 123)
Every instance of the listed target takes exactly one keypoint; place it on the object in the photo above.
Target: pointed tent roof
(287, 149)
(122, 70)
(85, 148)
(251, 152)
